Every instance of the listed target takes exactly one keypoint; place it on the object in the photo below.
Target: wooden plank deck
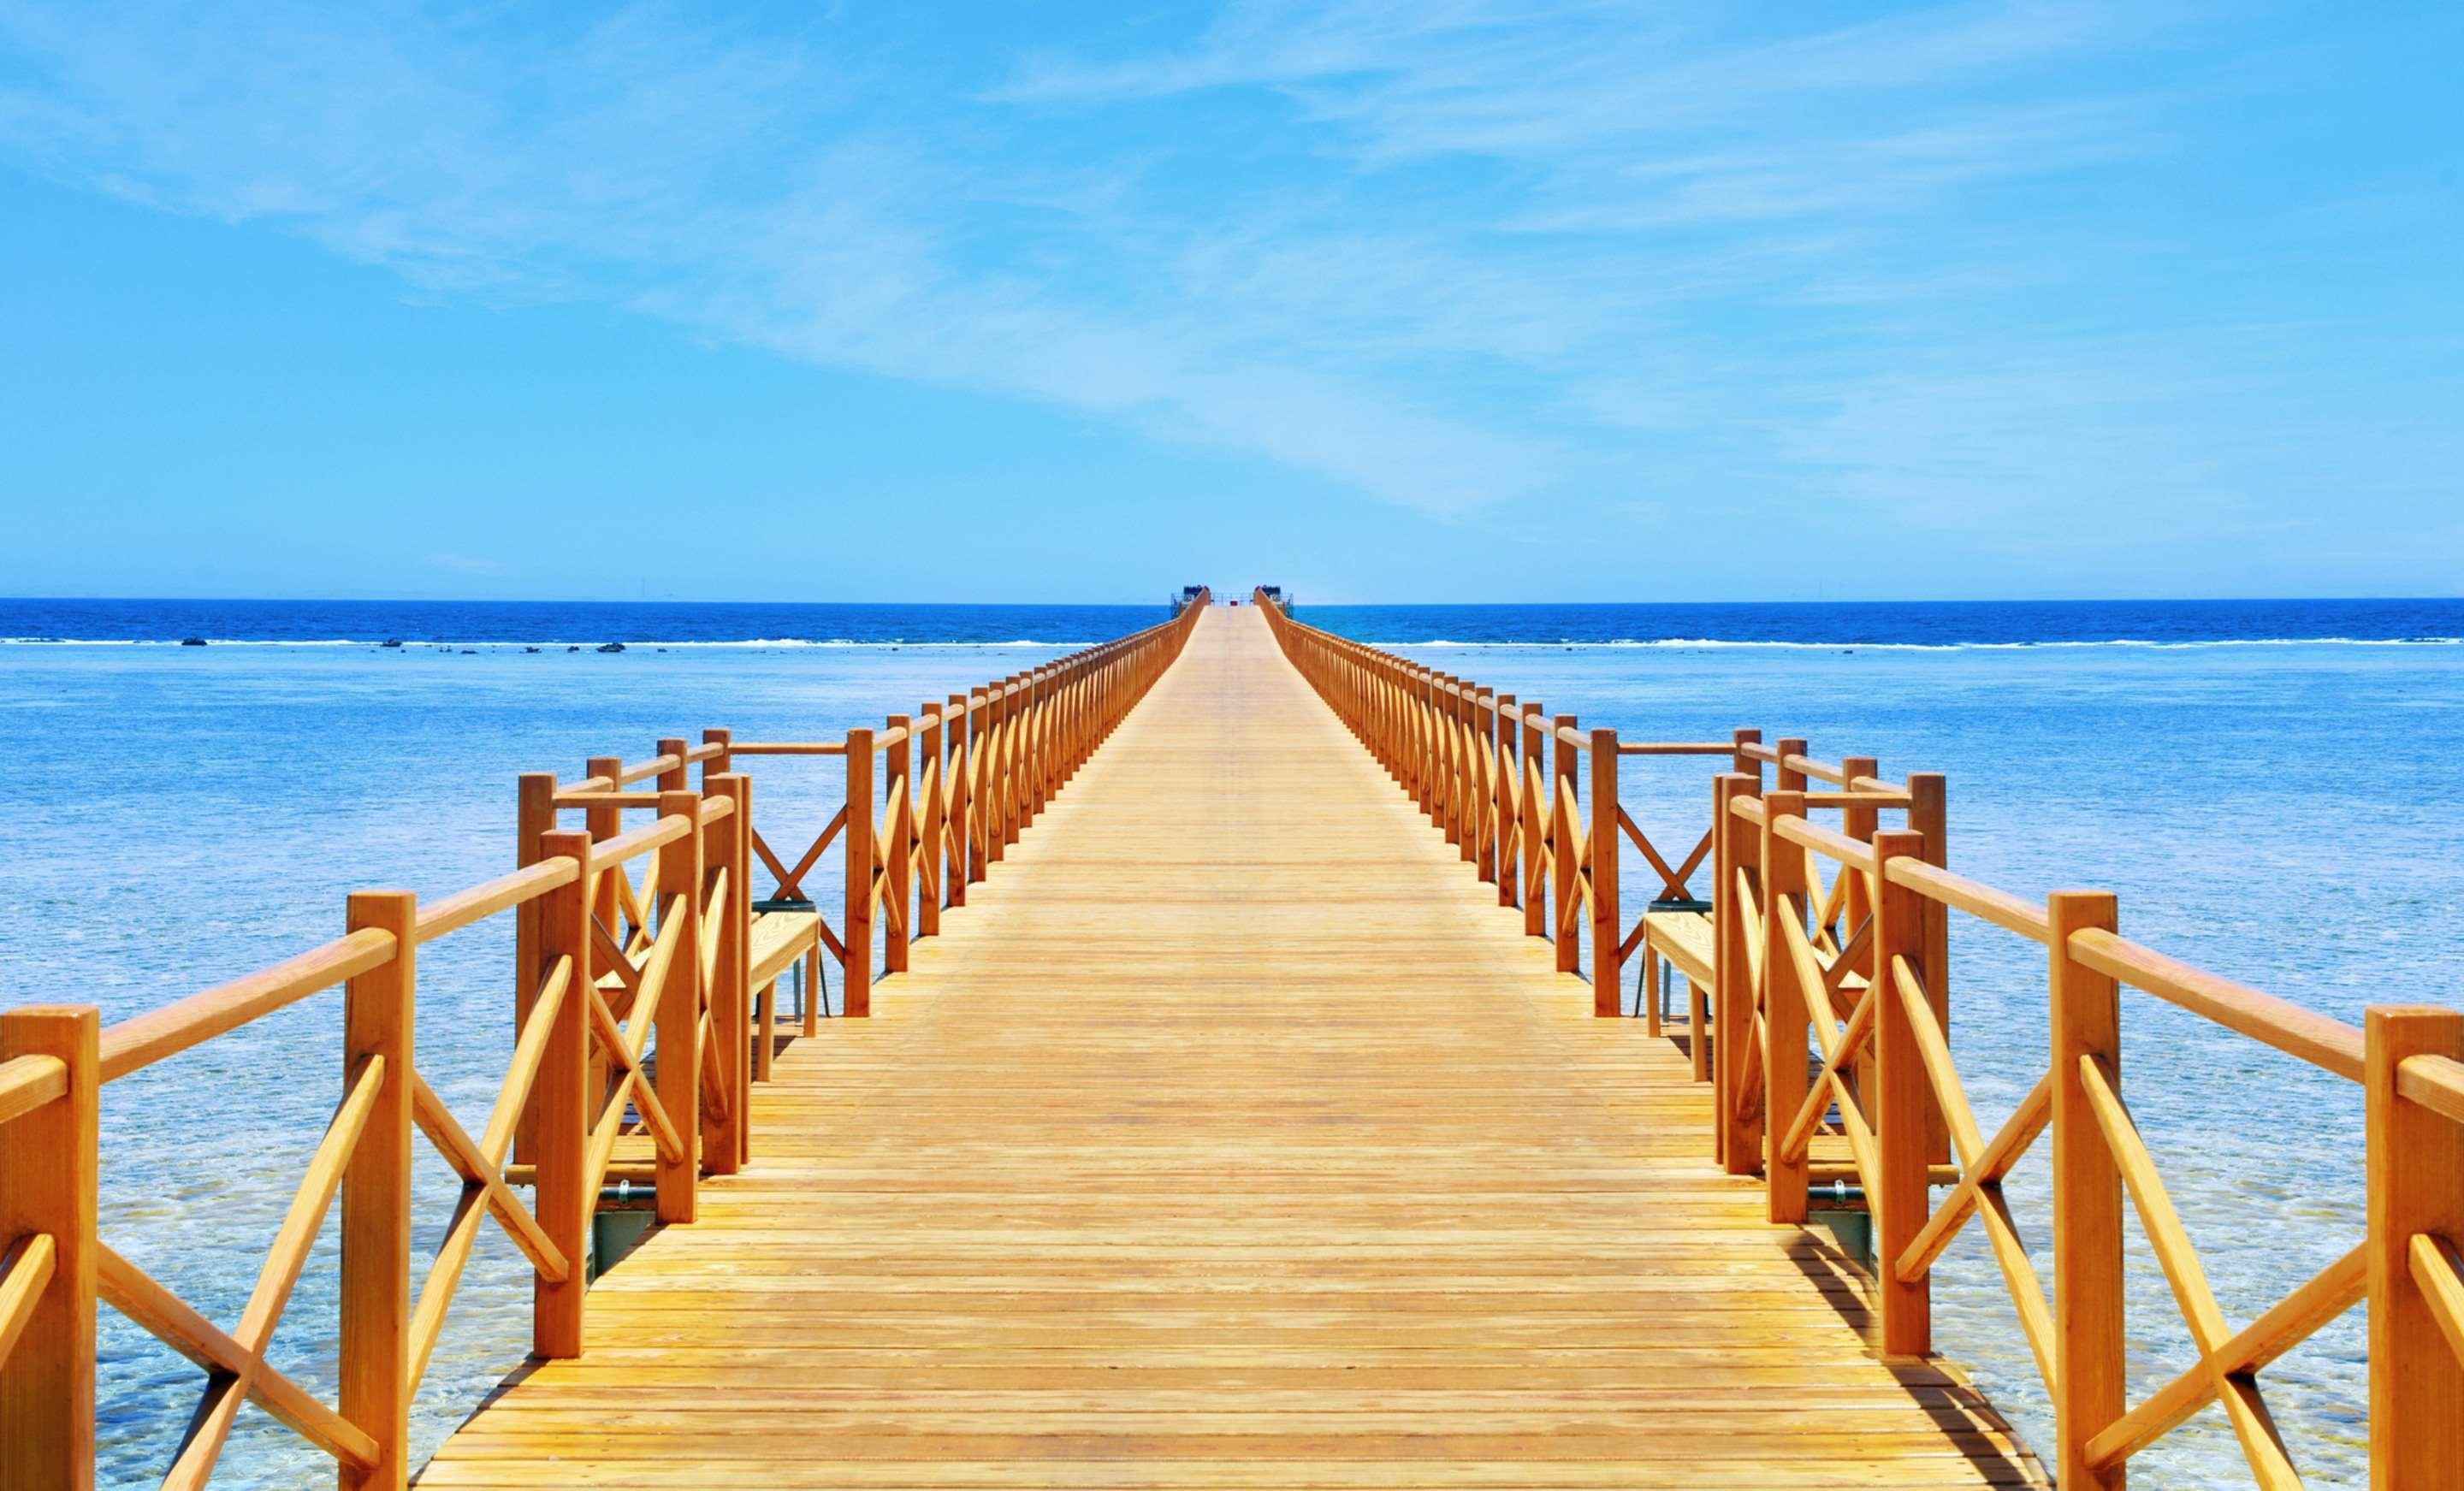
(1231, 1136)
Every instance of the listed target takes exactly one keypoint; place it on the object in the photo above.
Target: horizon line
(417, 600)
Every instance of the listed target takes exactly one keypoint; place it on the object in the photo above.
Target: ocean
(2268, 786)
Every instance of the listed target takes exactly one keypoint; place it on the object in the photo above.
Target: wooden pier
(1224, 1103)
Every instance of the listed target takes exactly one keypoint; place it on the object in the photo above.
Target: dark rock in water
(611, 647)
(576, 648)
(470, 651)
(192, 642)
(530, 649)
(390, 641)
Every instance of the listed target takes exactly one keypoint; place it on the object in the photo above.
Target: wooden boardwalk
(1235, 1137)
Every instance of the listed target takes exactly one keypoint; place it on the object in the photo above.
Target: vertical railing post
(2415, 1164)
(1738, 854)
(981, 736)
(1039, 742)
(724, 762)
(1013, 759)
(1366, 697)
(728, 847)
(1739, 761)
(1787, 1010)
(50, 1161)
(1071, 732)
(1045, 718)
(1064, 724)
(1608, 969)
(1480, 765)
(561, 1098)
(934, 777)
(897, 905)
(1039, 776)
(1504, 823)
(739, 955)
(677, 875)
(856, 997)
(957, 870)
(1929, 818)
(1466, 791)
(1404, 710)
(2088, 1309)
(1855, 896)
(1535, 817)
(1395, 706)
(1561, 902)
(1094, 724)
(1860, 823)
(1063, 733)
(1030, 721)
(1430, 743)
(604, 824)
(534, 820)
(1902, 1102)
(1784, 777)
(375, 1293)
(678, 777)
(814, 987)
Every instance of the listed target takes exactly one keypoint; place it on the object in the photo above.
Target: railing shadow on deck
(643, 1011)
(1828, 952)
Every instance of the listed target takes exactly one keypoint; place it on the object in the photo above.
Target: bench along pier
(1232, 1082)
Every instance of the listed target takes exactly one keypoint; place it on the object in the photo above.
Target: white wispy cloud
(1448, 254)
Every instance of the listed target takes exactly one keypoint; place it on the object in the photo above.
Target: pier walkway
(1233, 1136)
(1233, 1083)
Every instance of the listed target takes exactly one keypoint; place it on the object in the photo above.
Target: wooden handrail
(621, 801)
(655, 766)
(1838, 848)
(29, 1082)
(643, 989)
(2434, 1081)
(1974, 897)
(500, 895)
(140, 1040)
(2326, 1043)
(1788, 956)
(788, 748)
(992, 758)
(616, 851)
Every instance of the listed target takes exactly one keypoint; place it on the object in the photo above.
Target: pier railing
(1828, 1032)
(638, 1027)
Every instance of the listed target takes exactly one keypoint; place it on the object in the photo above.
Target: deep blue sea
(2269, 786)
(1893, 624)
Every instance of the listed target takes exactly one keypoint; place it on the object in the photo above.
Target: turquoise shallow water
(2283, 814)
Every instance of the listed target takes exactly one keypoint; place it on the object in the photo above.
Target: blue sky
(1437, 301)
